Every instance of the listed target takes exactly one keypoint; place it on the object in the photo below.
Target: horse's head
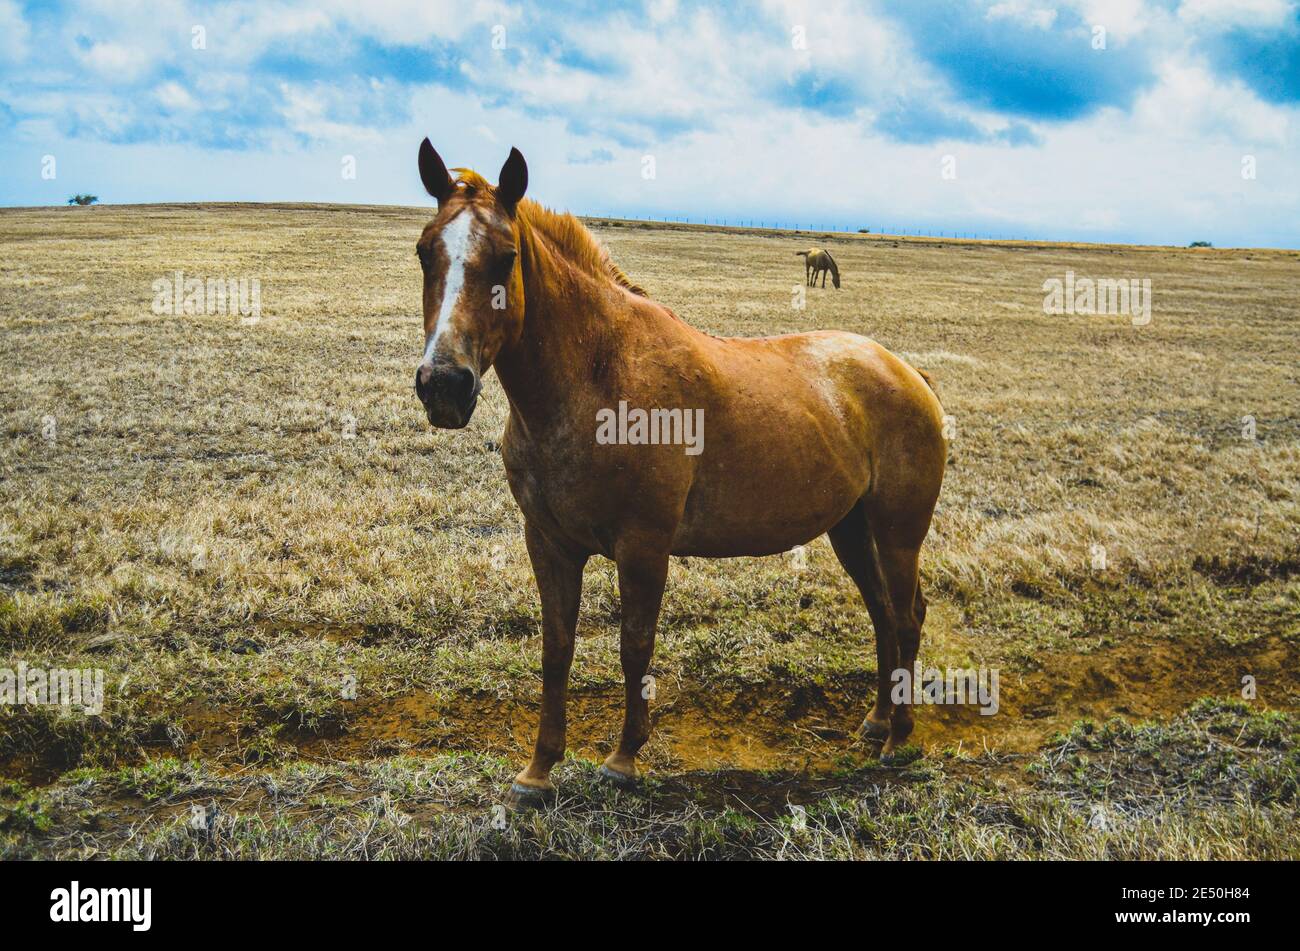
(473, 287)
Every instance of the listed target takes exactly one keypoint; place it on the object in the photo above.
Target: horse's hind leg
(888, 576)
(900, 568)
(852, 540)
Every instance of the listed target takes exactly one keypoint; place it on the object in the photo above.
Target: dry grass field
(320, 635)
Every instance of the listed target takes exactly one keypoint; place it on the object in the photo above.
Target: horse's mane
(563, 231)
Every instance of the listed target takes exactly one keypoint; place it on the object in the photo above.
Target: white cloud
(14, 33)
(1192, 107)
(1126, 20)
(1251, 13)
(115, 61)
(306, 112)
(173, 96)
(1027, 12)
(414, 21)
(661, 10)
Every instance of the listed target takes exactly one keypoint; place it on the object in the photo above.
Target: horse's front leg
(642, 572)
(559, 581)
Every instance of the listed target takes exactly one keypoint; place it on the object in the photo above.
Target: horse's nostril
(462, 384)
(444, 383)
(423, 375)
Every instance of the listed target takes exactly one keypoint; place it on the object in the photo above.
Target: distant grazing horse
(807, 433)
(818, 262)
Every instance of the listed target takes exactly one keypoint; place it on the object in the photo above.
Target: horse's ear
(513, 180)
(437, 182)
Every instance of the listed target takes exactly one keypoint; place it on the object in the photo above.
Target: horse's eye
(506, 259)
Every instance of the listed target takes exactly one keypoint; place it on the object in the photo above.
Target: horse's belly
(757, 512)
(756, 539)
(778, 469)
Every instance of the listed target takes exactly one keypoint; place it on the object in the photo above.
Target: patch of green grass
(1088, 795)
(1218, 753)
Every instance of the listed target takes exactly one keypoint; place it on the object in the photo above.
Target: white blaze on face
(458, 239)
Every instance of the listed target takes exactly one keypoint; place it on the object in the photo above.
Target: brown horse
(816, 262)
(807, 433)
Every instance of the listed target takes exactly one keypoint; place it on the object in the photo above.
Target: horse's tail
(835, 271)
(929, 381)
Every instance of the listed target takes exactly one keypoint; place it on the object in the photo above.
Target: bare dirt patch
(808, 729)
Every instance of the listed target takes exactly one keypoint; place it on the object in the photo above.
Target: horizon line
(685, 221)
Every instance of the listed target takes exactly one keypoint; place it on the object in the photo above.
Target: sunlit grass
(232, 518)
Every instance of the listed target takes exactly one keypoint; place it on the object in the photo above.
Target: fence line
(757, 223)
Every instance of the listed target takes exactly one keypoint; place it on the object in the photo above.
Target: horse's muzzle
(449, 393)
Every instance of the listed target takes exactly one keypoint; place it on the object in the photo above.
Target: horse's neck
(543, 371)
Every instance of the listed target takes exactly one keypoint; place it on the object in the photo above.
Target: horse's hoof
(899, 731)
(897, 752)
(621, 780)
(523, 798)
(874, 729)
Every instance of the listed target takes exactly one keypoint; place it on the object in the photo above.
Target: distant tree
(1200, 244)
(83, 199)
(864, 231)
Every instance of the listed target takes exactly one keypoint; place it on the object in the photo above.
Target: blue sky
(1104, 120)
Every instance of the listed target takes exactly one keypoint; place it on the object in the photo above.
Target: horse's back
(866, 364)
(800, 427)
(861, 368)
